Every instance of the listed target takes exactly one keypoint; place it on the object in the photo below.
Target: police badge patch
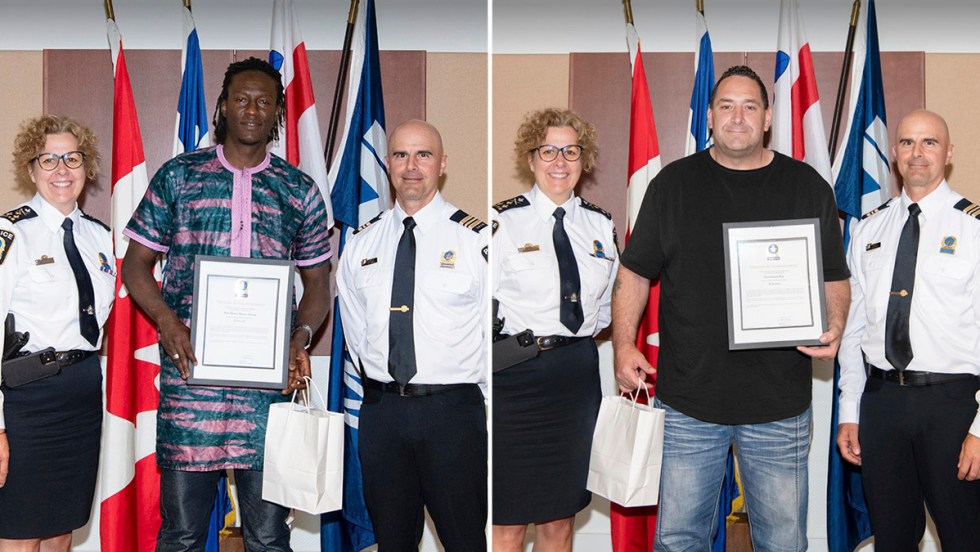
(6, 240)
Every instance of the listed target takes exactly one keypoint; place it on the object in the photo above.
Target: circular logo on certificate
(773, 248)
(241, 289)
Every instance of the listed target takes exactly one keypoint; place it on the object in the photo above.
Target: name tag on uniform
(371, 261)
(44, 260)
(527, 248)
(871, 246)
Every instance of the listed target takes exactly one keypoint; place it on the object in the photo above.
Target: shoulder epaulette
(968, 207)
(493, 227)
(370, 222)
(512, 203)
(468, 220)
(876, 209)
(86, 216)
(23, 212)
(597, 209)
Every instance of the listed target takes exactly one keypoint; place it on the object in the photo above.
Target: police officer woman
(554, 260)
(57, 279)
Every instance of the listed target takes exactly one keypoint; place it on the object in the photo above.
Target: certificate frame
(240, 320)
(774, 282)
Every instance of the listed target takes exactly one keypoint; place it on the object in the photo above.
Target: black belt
(548, 342)
(414, 389)
(911, 378)
(64, 358)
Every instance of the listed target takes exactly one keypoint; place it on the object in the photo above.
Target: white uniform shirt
(451, 304)
(37, 284)
(525, 267)
(944, 324)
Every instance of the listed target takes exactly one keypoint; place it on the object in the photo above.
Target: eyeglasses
(549, 153)
(49, 161)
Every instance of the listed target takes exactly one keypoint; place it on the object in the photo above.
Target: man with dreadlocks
(233, 200)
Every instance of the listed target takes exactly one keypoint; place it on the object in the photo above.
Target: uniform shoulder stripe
(23, 212)
(96, 221)
(512, 203)
(369, 223)
(597, 209)
(968, 207)
(468, 220)
(876, 209)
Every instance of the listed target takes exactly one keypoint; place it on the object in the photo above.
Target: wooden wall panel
(521, 83)
(22, 93)
(79, 83)
(457, 95)
(952, 90)
(599, 88)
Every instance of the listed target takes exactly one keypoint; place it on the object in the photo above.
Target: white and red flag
(129, 479)
(632, 529)
(299, 142)
(797, 123)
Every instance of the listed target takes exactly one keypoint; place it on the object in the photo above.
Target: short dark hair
(741, 71)
(250, 64)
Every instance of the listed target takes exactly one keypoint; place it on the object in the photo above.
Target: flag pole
(341, 81)
(187, 4)
(699, 5)
(109, 14)
(844, 76)
(629, 12)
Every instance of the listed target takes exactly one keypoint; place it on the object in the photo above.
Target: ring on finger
(175, 356)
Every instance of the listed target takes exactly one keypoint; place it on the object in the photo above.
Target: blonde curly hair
(534, 129)
(34, 134)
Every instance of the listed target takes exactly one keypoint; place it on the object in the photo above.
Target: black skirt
(54, 427)
(544, 413)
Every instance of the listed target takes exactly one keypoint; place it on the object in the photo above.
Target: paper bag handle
(306, 394)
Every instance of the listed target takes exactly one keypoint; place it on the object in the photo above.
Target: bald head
(922, 150)
(416, 126)
(415, 162)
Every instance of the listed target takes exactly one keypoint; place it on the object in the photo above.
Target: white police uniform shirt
(37, 284)
(944, 325)
(525, 267)
(451, 304)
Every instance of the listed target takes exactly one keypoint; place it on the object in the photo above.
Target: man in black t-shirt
(759, 399)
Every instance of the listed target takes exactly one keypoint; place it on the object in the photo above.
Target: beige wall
(521, 83)
(956, 101)
(456, 103)
(22, 96)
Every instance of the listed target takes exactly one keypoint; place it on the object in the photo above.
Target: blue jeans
(186, 500)
(772, 462)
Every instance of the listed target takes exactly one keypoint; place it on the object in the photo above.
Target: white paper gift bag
(304, 456)
(627, 452)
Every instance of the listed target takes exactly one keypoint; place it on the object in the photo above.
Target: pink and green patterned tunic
(198, 204)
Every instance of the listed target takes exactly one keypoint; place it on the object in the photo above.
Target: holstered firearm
(13, 340)
(19, 367)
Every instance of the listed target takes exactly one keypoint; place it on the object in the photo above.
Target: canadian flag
(129, 479)
(632, 529)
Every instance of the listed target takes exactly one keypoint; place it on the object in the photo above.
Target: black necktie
(86, 297)
(401, 336)
(898, 346)
(570, 312)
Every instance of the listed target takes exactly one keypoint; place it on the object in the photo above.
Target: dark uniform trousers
(913, 436)
(426, 451)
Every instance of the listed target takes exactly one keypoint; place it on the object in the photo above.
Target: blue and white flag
(862, 181)
(192, 110)
(698, 137)
(359, 191)
(191, 133)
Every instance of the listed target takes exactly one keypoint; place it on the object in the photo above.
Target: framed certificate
(774, 276)
(240, 322)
